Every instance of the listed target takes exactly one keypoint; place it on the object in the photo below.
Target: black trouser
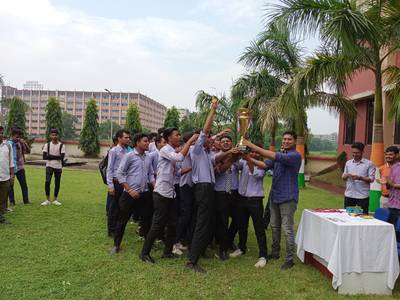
(108, 202)
(183, 231)
(223, 210)
(24, 187)
(127, 205)
(165, 215)
(267, 214)
(113, 209)
(234, 214)
(203, 194)
(363, 203)
(4, 190)
(252, 207)
(57, 180)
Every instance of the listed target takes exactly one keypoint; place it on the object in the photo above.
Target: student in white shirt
(53, 153)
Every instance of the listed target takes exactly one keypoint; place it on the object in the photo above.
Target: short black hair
(54, 130)
(161, 130)
(120, 133)
(139, 136)
(187, 136)
(158, 139)
(393, 149)
(358, 145)
(167, 132)
(225, 137)
(153, 135)
(15, 131)
(115, 140)
(290, 132)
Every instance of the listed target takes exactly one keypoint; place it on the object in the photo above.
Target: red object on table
(327, 210)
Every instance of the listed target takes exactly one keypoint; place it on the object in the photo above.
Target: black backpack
(103, 168)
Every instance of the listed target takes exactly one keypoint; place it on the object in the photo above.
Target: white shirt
(166, 170)
(358, 189)
(55, 151)
(6, 163)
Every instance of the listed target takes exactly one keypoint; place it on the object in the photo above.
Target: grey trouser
(282, 215)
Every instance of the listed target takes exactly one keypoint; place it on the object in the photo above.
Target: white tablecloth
(349, 244)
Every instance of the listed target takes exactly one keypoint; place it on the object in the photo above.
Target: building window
(349, 131)
(370, 121)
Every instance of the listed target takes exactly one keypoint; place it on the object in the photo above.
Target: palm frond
(393, 78)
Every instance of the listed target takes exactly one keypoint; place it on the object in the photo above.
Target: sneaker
(9, 209)
(261, 262)
(56, 202)
(236, 253)
(180, 246)
(176, 250)
(45, 203)
(287, 265)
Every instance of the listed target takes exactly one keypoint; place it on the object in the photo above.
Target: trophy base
(243, 149)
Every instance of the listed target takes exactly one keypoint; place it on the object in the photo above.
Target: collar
(362, 160)
(137, 152)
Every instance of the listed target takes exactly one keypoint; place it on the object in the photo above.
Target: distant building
(183, 112)
(333, 137)
(33, 85)
(111, 107)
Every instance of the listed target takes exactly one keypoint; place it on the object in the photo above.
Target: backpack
(103, 168)
(48, 151)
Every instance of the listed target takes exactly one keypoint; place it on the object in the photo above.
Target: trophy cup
(244, 119)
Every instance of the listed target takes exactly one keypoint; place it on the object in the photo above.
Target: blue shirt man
(284, 193)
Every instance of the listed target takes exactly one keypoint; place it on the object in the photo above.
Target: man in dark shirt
(284, 192)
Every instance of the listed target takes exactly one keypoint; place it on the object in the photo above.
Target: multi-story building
(112, 106)
(333, 137)
(183, 112)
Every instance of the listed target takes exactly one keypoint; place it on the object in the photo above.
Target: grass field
(63, 253)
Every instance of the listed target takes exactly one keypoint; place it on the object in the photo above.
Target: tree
(356, 36)
(53, 117)
(172, 118)
(69, 122)
(277, 54)
(133, 119)
(16, 114)
(105, 128)
(186, 125)
(89, 138)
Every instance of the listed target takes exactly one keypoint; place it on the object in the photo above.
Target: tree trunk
(272, 143)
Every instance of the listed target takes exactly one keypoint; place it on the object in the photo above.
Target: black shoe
(195, 268)
(287, 265)
(169, 255)
(5, 222)
(146, 258)
(223, 255)
(27, 202)
(114, 250)
(273, 256)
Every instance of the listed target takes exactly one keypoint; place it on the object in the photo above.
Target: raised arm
(210, 117)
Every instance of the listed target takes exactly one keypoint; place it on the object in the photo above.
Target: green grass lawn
(63, 253)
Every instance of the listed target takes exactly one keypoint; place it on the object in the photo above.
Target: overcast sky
(166, 50)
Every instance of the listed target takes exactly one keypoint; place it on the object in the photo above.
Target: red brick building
(361, 90)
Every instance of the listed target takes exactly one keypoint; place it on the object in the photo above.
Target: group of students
(12, 164)
(201, 190)
(360, 172)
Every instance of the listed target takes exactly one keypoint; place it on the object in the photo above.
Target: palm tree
(279, 55)
(257, 91)
(356, 36)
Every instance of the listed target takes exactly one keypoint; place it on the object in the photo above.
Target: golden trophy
(244, 121)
